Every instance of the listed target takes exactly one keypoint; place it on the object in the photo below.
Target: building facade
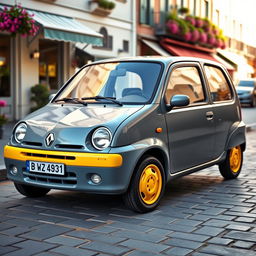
(70, 35)
(154, 38)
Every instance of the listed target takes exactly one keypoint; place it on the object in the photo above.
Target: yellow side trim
(80, 159)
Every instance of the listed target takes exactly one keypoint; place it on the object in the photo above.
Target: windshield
(246, 83)
(126, 82)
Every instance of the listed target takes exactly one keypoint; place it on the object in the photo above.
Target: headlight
(101, 138)
(20, 132)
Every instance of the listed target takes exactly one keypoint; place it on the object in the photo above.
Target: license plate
(47, 168)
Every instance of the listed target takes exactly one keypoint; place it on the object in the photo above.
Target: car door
(224, 107)
(191, 128)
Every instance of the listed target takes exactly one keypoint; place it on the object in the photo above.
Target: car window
(186, 81)
(128, 82)
(219, 87)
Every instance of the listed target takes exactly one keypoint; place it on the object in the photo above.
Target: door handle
(209, 115)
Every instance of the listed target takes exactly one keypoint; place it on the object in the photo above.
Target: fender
(237, 136)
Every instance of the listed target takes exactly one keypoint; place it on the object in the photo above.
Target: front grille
(49, 156)
(32, 143)
(70, 180)
(67, 146)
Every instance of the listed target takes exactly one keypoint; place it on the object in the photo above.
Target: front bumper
(115, 169)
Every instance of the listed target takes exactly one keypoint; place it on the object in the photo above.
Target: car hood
(242, 89)
(71, 124)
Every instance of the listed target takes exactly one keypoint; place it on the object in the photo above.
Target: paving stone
(6, 249)
(220, 241)
(177, 251)
(241, 209)
(30, 248)
(242, 244)
(244, 219)
(15, 231)
(192, 223)
(9, 240)
(95, 236)
(238, 227)
(189, 236)
(106, 248)
(81, 223)
(225, 251)
(160, 232)
(183, 243)
(239, 235)
(210, 231)
(65, 240)
(144, 246)
(139, 236)
(140, 253)
(4, 226)
(216, 223)
(45, 231)
(66, 250)
(213, 211)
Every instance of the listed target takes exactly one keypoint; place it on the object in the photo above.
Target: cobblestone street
(200, 214)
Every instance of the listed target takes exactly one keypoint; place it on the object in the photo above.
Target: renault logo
(49, 139)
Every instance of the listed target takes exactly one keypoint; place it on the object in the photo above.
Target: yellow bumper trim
(68, 158)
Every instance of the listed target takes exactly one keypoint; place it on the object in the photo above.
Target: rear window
(219, 86)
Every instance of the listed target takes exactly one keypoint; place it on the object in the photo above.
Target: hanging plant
(17, 20)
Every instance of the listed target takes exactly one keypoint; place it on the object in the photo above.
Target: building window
(125, 46)
(206, 6)
(107, 40)
(49, 70)
(5, 85)
(147, 12)
(194, 8)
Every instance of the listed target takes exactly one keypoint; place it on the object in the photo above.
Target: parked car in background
(128, 126)
(246, 90)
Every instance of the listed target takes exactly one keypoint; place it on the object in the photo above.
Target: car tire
(147, 186)
(231, 167)
(31, 191)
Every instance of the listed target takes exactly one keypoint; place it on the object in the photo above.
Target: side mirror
(179, 101)
(52, 96)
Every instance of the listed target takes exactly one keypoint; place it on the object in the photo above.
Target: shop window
(107, 40)
(5, 86)
(49, 63)
(147, 12)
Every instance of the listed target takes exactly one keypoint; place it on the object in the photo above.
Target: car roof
(164, 60)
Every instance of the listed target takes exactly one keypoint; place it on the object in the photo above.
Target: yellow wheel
(235, 159)
(150, 185)
(147, 185)
(232, 165)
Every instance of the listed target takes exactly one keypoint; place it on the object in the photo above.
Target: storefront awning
(62, 28)
(238, 60)
(178, 50)
(155, 47)
(228, 66)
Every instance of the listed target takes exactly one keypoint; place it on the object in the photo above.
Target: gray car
(246, 90)
(128, 126)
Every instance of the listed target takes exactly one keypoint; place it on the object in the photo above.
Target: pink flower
(187, 36)
(203, 38)
(173, 27)
(2, 103)
(195, 35)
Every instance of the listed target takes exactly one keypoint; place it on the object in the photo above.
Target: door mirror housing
(179, 101)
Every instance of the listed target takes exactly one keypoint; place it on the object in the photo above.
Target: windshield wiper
(72, 100)
(113, 99)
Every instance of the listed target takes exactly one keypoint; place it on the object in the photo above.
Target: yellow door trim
(68, 158)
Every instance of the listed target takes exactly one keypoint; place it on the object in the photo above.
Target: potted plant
(39, 96)
(16, 20)
(102, 7)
